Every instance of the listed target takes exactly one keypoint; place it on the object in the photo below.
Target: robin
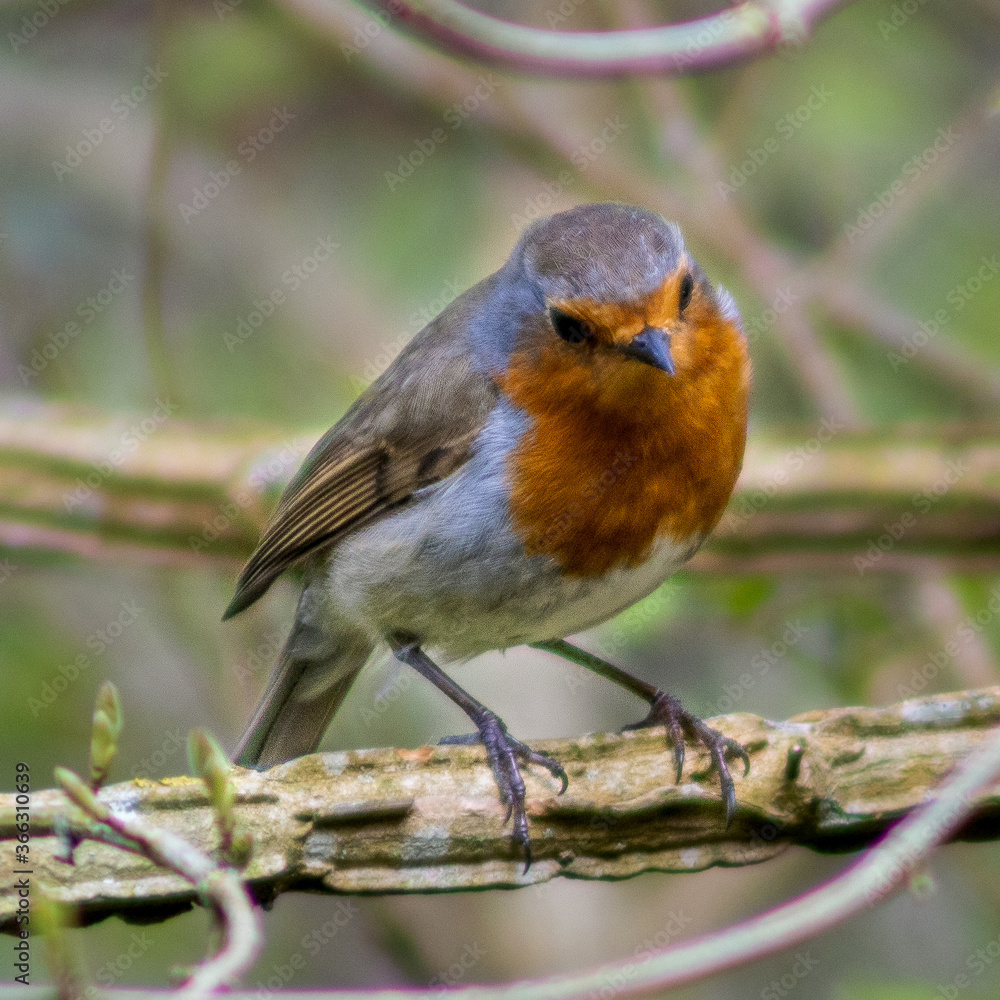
(542, 455)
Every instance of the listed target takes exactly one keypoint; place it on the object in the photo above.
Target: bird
(546, 452)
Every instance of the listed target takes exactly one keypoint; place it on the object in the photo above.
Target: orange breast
(619, 454)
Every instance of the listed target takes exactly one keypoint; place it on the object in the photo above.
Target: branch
(150, 489)
(215, 883)
(429, 819)
(542, 128)
(749, 29)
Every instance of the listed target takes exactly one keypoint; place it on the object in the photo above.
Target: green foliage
(107, 726)
(208, 760)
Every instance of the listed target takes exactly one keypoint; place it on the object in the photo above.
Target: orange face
(621, 453)
(615, 324)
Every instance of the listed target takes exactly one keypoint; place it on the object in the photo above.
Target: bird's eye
(571, 329)
(687, 287)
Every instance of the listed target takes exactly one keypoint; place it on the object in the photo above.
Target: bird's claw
(667, 711)
(504, 752)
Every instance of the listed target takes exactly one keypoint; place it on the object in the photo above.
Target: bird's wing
(414, 426)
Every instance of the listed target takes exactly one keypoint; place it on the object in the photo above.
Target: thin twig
(219, 884)
(519, 113)
(867, 882)
(747, 30)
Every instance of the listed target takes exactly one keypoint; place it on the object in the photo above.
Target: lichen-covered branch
(150, 488)
(430, 820)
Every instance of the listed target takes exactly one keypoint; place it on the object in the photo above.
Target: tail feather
(304, 691)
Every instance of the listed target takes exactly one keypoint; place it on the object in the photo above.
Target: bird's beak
(652, 347)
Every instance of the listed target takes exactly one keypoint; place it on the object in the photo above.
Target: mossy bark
(429, 820)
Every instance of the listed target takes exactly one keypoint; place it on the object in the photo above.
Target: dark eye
(571, 329)
(687, 287)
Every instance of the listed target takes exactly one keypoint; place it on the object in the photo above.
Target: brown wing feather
(413, 427)
(337, 497)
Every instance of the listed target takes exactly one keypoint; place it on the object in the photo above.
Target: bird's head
(620, 308)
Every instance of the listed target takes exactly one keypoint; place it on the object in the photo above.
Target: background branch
(736, 33)
(429, 819)
(195, 495)
(698, 199)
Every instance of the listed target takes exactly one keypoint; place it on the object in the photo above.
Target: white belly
(447, 570)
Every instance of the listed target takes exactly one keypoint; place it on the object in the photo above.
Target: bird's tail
(309, 682)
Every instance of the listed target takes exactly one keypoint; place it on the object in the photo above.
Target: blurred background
(233, 214)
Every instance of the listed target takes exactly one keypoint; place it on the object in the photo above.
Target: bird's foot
(504, 753)
(666, 710)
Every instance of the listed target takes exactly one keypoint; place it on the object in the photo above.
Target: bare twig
(218, 884)
(737, 33)
(517, 111)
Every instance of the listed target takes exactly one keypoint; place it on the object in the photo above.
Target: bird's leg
(664, 710)
(502, 750)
